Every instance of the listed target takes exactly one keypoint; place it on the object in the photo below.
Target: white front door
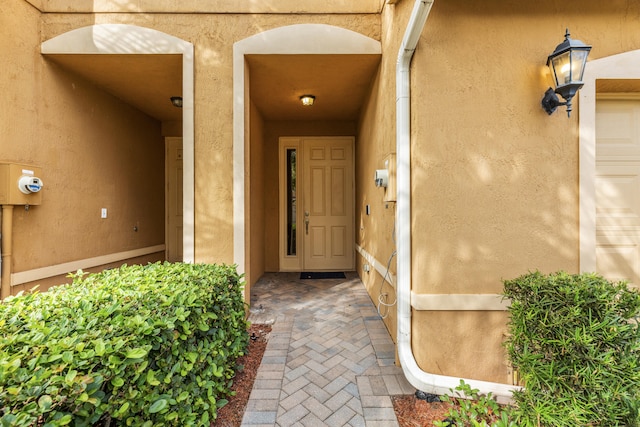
(618, 189)
(317, 207)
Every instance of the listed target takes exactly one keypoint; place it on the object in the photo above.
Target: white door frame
(320, 39)
(622, 66)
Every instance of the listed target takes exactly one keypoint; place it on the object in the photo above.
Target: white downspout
(427, 382)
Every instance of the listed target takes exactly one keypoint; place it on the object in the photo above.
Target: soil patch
(231, 414)
(414, 412)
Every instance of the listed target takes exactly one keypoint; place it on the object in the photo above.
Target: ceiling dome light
(176, 101)
(307, 100)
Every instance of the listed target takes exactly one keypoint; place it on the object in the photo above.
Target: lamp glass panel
(578, 60)
(561, 68)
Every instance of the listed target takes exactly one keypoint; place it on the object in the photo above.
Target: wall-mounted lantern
(566, 64)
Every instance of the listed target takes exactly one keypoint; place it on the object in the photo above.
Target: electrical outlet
(103, 213)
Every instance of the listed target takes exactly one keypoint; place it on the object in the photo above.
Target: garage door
(618, 189)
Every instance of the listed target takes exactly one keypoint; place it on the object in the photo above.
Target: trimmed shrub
(575, 341)
(150, 345)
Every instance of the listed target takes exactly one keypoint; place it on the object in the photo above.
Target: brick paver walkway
(329, 360)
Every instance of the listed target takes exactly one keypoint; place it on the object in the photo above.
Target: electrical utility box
(390, 190)
(20, 184)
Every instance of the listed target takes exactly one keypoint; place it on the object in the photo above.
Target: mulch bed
(414, 412)
(231, 414)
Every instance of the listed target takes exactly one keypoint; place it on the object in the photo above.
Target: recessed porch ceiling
(147, 81)
(340, 84)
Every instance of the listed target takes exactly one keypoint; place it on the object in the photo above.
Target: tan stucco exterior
(497, 176)
(495, 184)
(95, 152)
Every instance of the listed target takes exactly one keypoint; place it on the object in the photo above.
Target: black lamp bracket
(551, 101)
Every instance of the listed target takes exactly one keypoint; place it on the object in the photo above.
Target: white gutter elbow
(424, 381)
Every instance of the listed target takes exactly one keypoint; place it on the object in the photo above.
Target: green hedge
(152, 345)
(575, 341)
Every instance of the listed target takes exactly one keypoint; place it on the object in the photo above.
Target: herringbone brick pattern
(329, 360)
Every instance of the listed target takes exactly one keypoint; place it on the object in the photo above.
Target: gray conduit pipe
(7, 228)
(425, 381)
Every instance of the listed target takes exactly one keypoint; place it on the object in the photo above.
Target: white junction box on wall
(20, 184)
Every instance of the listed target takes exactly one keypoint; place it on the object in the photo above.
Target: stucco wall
(255, 215)
(19, 82)
(95, 152)
(494, 178)
(210, 6)
(375, 231)
(19, 85)
(498, 177)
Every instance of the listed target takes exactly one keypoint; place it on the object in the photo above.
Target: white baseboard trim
(68, 267)
(389, 277)
(440, 302)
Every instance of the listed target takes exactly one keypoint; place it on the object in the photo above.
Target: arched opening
(307, 49)
(142, 49)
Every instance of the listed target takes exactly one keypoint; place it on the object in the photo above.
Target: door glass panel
(291, 201)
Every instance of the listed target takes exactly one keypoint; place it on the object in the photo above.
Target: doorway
(316, 206)
(251, 116)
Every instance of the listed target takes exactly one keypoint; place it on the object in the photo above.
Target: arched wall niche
(130, 39)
